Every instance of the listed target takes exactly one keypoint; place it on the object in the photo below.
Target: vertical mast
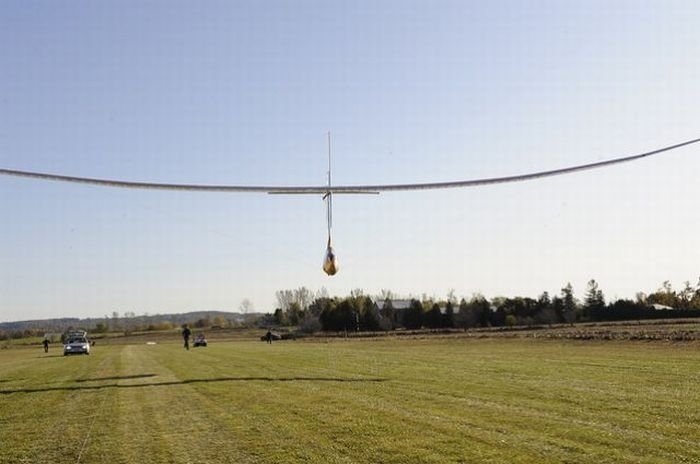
(329, 195)
(330, 262)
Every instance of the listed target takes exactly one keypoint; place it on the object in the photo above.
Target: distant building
(399, 305)
(660, 307)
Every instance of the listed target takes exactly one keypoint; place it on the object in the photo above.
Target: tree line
(358, 312)
(317, 311)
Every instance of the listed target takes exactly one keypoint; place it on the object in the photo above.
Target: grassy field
(372, 401)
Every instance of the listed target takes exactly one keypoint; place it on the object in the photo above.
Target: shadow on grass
(122, 377)
(193, 381)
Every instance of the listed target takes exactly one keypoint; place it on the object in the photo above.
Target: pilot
(186, 336)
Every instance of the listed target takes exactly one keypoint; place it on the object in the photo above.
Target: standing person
(186, 336)
(46, 345)
(268, 336)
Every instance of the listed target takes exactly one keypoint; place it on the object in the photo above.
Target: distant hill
(61, 324)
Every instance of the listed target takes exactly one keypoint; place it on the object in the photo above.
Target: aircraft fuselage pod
(330, 262)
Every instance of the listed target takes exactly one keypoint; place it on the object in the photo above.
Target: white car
(77, 345)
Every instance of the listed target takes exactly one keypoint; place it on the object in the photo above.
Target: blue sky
(244, 93)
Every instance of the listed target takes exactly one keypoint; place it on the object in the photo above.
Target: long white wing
(340, 189)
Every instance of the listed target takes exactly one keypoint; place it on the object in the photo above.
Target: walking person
(46, 345)
(268, 336)
(186, 336)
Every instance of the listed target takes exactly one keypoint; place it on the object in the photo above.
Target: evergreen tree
(413, 316)
(388, 312)
(594, 302)
(568, 303)
(448, 319)
(433, 318)
(462, 319)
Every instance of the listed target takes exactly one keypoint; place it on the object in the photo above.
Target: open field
(388, 400)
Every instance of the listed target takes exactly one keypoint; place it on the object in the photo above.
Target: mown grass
(370, 401)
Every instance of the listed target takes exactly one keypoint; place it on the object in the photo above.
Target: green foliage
(594, 301)
(413, 316)
(294, 313)
(280, 318)
(448, 319)
(101, 327)
(569, 305)
(475, 313)
(369, 315)
(339, 316)
(433, 318)
(389, 314)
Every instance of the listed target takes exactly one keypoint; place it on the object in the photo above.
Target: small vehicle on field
(200, 340)
(76, 343)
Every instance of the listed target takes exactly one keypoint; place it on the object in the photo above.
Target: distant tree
(366, 311)
(463, 317)
(510, 320)
(433, 318)
(389, 314)
(452, 297)
(246, 306)
(319, 304)
(641, 298)
(279, 317)
(322, 293)
(545, 313)
(284, 299)
(339, 317)
(521, 308)
(219, 321)
(498, 317)
(101, 327)
(413, 316)
(594, 302)
(558, 308)
(303, 297)
(310, 323)
(664, 296)
(115, 321)
(695, 302)
(543, 302)
(356, 293)
(202, 322)
(685, 296)
(294, 313)
(625, 310)
(448, 319)
(476, 312)
(385, 294)
(568, 304)
(294, 303)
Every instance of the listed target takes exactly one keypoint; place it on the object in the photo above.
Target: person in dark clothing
(186, 336)
(46, 345)
(268, 336)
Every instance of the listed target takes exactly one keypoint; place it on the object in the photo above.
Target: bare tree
(451, 297)
(246, 306)
(322, 293)
(385, 294)
(284, 299)
(303, 297)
